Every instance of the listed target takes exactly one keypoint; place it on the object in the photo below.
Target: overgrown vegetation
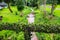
(14, 24)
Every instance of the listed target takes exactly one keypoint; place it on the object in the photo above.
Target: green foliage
(47, 36)
(20, 5)
(33, 3)
(7, 1)
(11, 35)
(0, 0)
(13, 3)
(13, 18)
(50, 1)
(47, 28)
(20, 36)
(5, 34)
(58, 1)
(16, 23)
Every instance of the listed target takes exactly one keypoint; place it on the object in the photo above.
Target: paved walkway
(34, 37)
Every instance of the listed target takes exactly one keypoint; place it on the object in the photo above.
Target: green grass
(13, 18)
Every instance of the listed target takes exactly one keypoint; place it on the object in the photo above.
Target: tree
(13, 2)
(44, 4)
(34, 3)
(58, 1)
(0, 0)
(54, 5)
(38, 3)
(20, 6)
(8, 2)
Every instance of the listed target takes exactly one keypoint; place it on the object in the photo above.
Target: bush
(47, 28)
(20, 5)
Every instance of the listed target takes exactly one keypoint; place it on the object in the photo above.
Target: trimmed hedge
(31, 27)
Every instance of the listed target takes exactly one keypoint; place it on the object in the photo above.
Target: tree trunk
(44, 3)
(9, 8)
(38, 4)
(52, 9)
(26, 2)
(53, 6)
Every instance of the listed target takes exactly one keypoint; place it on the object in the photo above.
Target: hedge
(46, 28)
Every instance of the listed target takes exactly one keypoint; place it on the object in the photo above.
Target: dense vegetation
(14, 20)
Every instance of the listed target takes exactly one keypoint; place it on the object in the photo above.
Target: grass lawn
(13, 18)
